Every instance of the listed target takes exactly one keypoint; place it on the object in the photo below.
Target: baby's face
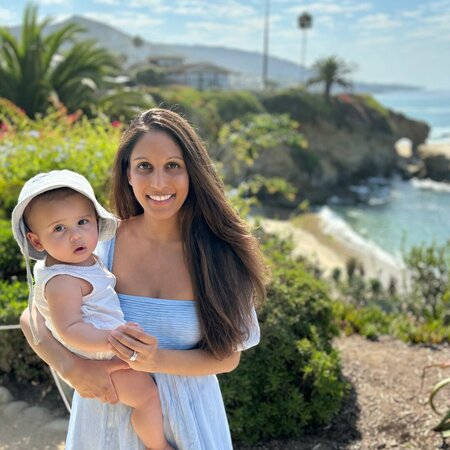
(65, 228)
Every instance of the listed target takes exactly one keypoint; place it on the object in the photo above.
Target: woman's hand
(92, 379)
(129, 338)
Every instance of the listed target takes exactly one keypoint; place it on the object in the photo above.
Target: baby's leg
(138, 390)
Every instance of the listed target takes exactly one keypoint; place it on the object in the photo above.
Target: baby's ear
(35, 241)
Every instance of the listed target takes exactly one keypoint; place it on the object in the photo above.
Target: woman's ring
(134, 356)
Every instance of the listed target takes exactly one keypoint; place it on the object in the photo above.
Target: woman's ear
(35, 241)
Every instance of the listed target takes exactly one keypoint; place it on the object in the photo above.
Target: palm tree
(329, 71)
(305, 22)
(138, 42)
(34, 72)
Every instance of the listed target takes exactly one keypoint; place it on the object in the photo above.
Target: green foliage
(259, 132)
(266, 153)
(234, 105)
(40, 70)
(16, 357)
(56, 142)
(31, 73)
(369, 321)
(11, 260)
(150, 75)
(329, 71)
(292, 379)
(302, 106)
(421, 314)
(429, 268)
(363, 111)
(191, 104)
(207, 110)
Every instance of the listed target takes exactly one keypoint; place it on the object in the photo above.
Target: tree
(138, 42)
(329, 71)
(305, 22)
(35, 73)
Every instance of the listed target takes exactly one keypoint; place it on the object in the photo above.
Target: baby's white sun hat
(43, 182)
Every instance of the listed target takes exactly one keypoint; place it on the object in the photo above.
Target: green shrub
(260, 147)
(193, 105)
(429, 268)
(301, 106)
(87, 147)
(292, 379)
(234, 105)
(17, 360)
(11, 260)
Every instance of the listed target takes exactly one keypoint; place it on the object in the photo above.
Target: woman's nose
(158, 179)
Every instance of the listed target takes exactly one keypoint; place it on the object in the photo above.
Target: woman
(188, 272)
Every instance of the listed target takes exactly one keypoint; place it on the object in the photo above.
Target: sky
(387, 41)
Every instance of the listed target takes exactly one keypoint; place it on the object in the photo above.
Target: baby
(58, 222)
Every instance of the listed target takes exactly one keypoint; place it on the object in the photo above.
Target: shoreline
(317, 243)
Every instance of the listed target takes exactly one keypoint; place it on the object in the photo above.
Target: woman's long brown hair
(227, 269)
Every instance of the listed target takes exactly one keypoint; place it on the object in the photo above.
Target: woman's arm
(150, 358)
(90, 378)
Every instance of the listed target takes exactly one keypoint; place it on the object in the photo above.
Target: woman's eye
(144, 166)
(173, 165)
(83, 222)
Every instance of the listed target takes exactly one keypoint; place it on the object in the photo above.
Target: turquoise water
(432, 107)
(417, 212)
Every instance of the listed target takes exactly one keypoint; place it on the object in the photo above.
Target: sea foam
(333, 224)
(431, 185)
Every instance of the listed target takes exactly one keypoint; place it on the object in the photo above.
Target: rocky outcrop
(354, 139)
(436, 159)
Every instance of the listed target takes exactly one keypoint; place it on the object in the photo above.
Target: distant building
(200, 76)
(197, 75)
(166, 61)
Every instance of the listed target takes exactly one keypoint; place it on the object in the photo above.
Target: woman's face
(158, 175)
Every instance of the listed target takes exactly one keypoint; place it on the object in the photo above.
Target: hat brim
(107, 222)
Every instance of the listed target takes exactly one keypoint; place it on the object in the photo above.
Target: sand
(328, 251)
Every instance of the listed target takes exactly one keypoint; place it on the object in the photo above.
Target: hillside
(245, 64)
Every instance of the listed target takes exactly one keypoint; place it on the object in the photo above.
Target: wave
(335, 225)
(439, 134)
(431, 185)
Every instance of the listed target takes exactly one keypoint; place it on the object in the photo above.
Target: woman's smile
(158, 175)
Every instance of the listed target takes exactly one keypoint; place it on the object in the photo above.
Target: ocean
(414, 212)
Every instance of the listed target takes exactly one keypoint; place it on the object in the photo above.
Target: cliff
(352, 139)
(436, 159)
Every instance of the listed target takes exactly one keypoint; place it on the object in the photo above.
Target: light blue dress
(193, 410)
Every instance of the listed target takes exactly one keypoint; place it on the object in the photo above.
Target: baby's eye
(83, 222)
(173, 165)
(59, 228)
(144, 166)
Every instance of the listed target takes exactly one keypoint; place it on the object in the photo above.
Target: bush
(192, 104)
(302, 106)
(11, 259)
(292, 379)
(234, 105)
(17, 360)
(87, 147)
(429, 268)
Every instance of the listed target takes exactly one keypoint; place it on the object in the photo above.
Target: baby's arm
(64, 294)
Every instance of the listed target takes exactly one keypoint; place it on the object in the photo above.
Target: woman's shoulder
(105, 250)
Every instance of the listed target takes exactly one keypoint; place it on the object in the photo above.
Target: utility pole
(265, 65)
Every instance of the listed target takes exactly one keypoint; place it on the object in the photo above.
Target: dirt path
(383, 411)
